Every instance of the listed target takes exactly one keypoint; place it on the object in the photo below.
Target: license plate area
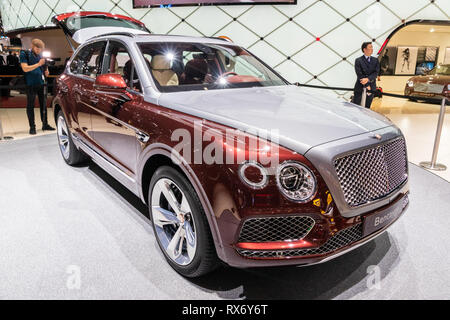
(382, 218)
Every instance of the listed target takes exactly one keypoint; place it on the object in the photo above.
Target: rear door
(84, 68)
(82, 26)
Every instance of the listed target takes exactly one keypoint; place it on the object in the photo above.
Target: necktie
(368, 59)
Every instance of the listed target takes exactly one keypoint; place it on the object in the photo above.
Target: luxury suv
(235, 163)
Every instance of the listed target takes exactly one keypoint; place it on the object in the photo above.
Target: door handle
(142, 137)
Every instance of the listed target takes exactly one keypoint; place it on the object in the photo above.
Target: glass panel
(88, 61)
(74, 24)
(195, 66)
(442, 70)
(118, 60)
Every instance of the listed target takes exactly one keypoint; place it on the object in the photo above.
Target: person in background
(367, 69)
(10, 59)
(2, 60)
(16, 62)
(33, 65)
(385, 63)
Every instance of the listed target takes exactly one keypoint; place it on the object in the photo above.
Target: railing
(377, 93)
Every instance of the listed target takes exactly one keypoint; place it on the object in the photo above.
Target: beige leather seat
(161, 71)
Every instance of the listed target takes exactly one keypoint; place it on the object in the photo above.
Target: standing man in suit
(367, 69)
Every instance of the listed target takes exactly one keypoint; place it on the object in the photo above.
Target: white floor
(418, 122)
(76, 233)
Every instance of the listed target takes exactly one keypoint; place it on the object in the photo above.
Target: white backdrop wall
(285, 36)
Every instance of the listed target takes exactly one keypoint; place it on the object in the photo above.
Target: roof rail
(220, 38)
(128, 34)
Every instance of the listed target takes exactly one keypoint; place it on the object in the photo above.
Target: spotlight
(170, 56)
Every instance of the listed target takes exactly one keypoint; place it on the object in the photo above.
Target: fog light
(253, 174)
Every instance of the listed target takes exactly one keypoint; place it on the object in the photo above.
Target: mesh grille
(339, 240)
(373, 173)
(276, 228)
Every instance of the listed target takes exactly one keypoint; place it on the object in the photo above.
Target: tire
(192, 229)
(69, 151)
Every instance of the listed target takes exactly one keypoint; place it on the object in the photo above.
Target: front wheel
(180, 224)
(69, 151)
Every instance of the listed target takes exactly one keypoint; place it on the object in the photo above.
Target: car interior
(175, 66)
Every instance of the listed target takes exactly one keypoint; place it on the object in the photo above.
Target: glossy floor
(81, 235)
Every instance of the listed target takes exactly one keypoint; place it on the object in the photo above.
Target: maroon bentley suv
(234, 163)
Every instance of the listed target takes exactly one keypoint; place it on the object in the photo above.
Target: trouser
(32, 92)
(357, 96)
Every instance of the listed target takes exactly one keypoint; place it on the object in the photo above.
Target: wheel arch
(157, 155)
(58, 106)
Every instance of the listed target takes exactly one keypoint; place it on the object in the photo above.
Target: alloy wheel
(63, 137)
(173, 221)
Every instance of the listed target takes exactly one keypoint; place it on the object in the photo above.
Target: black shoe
(47, 128)
(32, 130)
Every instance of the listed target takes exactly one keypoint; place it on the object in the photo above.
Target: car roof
(144, 38)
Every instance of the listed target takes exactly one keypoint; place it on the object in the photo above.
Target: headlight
(296, 181)
(410, 84)
(253, 174)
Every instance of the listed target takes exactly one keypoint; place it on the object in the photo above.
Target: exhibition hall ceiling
(313, 42)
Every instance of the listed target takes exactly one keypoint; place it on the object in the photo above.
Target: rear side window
(88, 61)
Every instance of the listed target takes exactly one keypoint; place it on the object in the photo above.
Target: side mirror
(115, 85)
(110, 82)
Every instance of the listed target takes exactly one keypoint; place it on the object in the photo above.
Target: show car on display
(235, 163)
(434, 84)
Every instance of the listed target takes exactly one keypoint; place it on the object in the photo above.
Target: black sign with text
(170, 3)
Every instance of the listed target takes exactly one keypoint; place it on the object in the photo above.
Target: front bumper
(419, 94)
(336, 245)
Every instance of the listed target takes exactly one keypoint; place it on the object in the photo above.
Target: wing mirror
(112, 83)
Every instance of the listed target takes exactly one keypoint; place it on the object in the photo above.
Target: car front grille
(372, 173)
(341, 239)
(276, 228)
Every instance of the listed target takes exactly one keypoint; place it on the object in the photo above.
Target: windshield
(196, 66)
(76, 23)
(443, 70)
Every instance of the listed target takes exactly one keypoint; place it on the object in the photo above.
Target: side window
(118, 60)
(88, 61)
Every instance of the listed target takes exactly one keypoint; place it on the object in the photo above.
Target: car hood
(301, 118)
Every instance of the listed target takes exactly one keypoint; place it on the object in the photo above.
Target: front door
(111, 121)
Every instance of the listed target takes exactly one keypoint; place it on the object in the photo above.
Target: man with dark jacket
(33, 65)
(10, 59)
(367, 69)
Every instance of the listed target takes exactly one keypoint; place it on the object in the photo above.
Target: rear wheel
(180, 224)
(69, 151)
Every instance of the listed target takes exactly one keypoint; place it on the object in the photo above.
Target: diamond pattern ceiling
(285, 36)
